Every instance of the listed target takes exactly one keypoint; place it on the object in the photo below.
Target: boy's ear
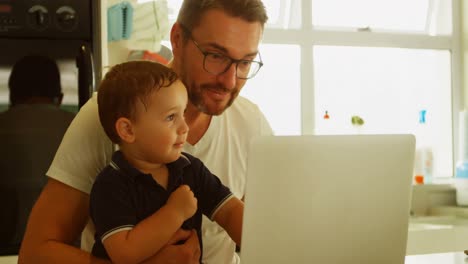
(124, 129)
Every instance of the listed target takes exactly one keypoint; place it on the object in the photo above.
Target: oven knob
(38, 17)
(66, 18)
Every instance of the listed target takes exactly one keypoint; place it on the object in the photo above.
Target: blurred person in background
(30, 133)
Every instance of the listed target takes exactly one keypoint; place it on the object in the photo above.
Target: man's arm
(56, 220)
(187, 253)
(230, 217)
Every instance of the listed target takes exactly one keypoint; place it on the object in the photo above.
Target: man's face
(221, 34)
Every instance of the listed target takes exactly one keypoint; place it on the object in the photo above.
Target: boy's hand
(184, 201)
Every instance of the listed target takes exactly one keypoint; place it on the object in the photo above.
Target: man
(30, 131)
(215, 46)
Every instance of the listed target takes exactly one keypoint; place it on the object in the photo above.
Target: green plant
(357, 120)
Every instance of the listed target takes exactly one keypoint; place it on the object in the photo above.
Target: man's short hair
(192, 11)
(34, 76)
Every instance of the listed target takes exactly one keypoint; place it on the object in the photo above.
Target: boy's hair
(192, 11)
(126, 84)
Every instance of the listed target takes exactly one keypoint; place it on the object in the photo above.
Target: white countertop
(437, 234)
(440, 258)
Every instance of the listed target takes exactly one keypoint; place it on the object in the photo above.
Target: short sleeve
(111, 204)
(211, 193)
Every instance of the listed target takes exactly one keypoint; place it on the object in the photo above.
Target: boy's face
(221, 34)
(160, 129)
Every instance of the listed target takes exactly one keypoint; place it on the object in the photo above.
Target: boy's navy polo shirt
(122, 196)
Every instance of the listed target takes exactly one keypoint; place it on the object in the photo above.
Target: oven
(69, 32)
(65, 30)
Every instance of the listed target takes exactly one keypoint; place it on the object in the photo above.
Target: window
(418, 16)
(385, 61)
(388, 88)
(283, 115)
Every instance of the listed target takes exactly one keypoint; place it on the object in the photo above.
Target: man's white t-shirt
(85, 150)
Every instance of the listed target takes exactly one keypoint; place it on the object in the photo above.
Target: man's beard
(195, 95)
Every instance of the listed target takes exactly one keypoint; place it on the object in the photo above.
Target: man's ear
(124, 129)
(176, 37)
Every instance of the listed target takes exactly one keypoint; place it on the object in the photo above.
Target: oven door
(60, 29)
(75, 61)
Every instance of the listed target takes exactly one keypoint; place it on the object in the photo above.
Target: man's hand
(187, 253)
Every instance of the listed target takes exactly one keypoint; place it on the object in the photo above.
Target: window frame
(306, 37)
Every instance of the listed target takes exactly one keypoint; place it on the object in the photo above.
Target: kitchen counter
(438, 258)
(446, 230)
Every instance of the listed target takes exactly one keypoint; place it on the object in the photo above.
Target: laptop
(340, 199)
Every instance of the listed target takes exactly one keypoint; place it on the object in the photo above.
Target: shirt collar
(120, 163)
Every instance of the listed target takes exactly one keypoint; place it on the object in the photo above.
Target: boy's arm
(230, 217)
(146, 238)
(149, 236)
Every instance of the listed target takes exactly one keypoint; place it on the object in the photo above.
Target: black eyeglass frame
(206, 53)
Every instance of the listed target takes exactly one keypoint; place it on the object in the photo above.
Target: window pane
(425, 16)
(173, 7)
(276, 88)
(283, 13)
(387, 88)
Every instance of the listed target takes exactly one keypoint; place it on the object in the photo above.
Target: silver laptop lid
(340, 199)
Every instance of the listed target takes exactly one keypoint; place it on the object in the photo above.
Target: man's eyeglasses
(216, 63)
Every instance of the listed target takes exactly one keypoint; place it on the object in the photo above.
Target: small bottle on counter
(423, 161)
